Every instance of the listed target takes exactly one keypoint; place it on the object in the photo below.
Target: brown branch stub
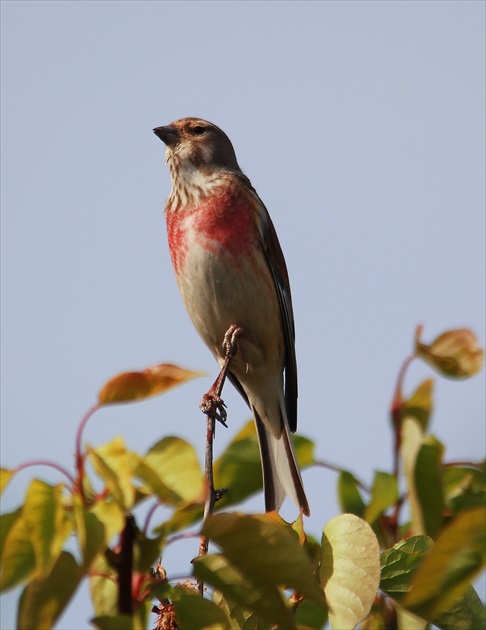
(124, 566)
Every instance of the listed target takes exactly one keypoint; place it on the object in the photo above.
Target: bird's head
(196, 146)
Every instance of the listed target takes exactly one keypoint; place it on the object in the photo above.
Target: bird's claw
(230, 341)
(214, 407)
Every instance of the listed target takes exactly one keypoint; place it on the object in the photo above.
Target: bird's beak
(167, 134)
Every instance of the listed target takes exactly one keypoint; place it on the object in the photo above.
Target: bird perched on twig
(233, 279)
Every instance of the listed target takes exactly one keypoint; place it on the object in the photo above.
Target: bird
(233, 279)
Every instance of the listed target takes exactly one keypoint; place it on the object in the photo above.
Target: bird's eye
(198, 130)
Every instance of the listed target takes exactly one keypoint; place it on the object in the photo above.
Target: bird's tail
(281, 474)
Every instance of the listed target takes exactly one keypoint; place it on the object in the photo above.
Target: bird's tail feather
(281, 474)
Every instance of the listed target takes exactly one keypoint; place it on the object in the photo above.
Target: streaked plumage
(231, 271)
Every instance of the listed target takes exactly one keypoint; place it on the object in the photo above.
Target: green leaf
(5, 476)
(237, 614)
(44, 598)
(111, 515)
(48, 522)
(6, 523)
(239, 468)
(305, 450)
(349, 495)
(350, 569)
(91, 533)
(265, 549)
(148, 550)
(420, 404)
(115, 465)
(457, 557)
(113, 622)
(464, 488)
(171, 470)
(384, 493)
(468, 613)
(308, 615)
(196, 613)
(103, 588)
(182, 518)
(262, 597)
(17, 557)
(428, 484)
(400, 563)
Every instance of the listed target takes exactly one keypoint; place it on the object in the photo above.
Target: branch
(214, 408)
(124, 567)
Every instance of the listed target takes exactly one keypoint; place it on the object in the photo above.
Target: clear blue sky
(361, 125)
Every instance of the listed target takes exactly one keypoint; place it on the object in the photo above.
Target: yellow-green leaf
(5, 476)
(350, 498)
(103, 587)
(194, 612)
(48, 522)
(112, 516)
(408, 621)
(44, 598)
(420, 404)
(455, 353)
(464, 487)
(412, 436)
(265, 549)
(131, 386)
(384, 493)
(239, 468)
(457, 557)
(467, 613)
(350, 569)
(261, 597)
(171, 470)
(305, 450)
(113, 622)
(17, 557)
(115, 465)
(91, 533)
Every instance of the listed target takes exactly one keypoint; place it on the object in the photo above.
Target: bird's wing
(276, 263)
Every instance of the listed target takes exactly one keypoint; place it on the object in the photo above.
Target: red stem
(149, 516)
(42, 462)
(80, 457)
(396, 410)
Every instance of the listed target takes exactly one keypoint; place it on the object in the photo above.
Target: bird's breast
(223, 275)
(223, 224)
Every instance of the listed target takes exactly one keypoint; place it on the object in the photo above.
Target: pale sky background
(362, 127)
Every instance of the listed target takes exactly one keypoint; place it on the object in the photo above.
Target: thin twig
(339, 469)
(214, 408)
(209, 504)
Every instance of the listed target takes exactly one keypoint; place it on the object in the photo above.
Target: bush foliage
(370, 566)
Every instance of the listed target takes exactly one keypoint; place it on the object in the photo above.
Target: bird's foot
(213, 406)
(230, 341)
